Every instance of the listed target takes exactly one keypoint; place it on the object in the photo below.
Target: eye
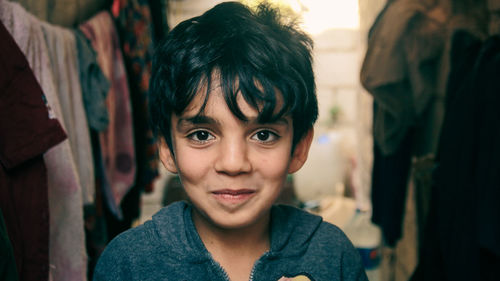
(201, 136)
(265, 136)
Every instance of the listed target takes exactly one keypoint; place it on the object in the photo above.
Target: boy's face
(232, 170)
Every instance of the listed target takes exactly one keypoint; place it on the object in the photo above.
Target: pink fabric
(67, 256)
(117, 144)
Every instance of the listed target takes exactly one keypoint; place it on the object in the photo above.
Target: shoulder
(122, 252)
(166, 222)
(312, 245)
(299, 226)
(139, 248)
(333, 234)
(129, 246)
(330, 238)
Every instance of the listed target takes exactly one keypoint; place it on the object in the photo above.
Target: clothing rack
(73, 205)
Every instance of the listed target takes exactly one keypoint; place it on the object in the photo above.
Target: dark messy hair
(249, 51)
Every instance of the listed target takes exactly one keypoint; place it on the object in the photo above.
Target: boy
(233, 100)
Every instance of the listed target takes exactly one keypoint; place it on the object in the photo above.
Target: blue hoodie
(169, 248)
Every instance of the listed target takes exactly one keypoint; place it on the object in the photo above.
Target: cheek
(274, 165)
(192, 165)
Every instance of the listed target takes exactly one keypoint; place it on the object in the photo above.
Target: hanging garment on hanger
(462, 235)
(135, 29)
(62, 49)
(95, 88)
(27, 130)
(68, 260)
(399, 70)
(405, 46)
(117, 142)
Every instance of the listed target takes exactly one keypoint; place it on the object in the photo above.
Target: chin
(236, 221)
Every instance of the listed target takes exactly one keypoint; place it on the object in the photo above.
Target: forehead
(217, 112)
(205, 101)
(251, 105)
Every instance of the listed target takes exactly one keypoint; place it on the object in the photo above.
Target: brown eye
(265, 136)
(201, 136)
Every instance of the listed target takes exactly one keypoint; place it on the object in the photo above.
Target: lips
(233, 196)
(234, 192)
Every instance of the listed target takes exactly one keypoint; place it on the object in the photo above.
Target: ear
(166, 157)
(301, 151)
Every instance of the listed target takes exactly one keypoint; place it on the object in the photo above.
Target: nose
(233, 158)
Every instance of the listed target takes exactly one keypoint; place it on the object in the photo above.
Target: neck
(253, 239)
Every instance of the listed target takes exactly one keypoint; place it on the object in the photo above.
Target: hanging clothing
(68, 260)
(135, 29)
(95, 88)
(390, 175)
(94, 84)
(134, 26)
(117, 142)
(27, 130)
(403, 58)
(400, 66)
(64, 13)
(462, 235)
(62, 49)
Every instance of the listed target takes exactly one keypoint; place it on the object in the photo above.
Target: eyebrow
(195, 120)
(203, 119)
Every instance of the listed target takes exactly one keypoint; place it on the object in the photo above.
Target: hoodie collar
(291, 230)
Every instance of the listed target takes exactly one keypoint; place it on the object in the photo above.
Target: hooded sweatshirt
(168, 247)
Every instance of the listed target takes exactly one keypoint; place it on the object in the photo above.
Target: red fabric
(26, 132)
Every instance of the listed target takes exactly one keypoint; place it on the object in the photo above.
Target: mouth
(233, 196)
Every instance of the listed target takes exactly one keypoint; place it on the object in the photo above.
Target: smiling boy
(232, 97)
